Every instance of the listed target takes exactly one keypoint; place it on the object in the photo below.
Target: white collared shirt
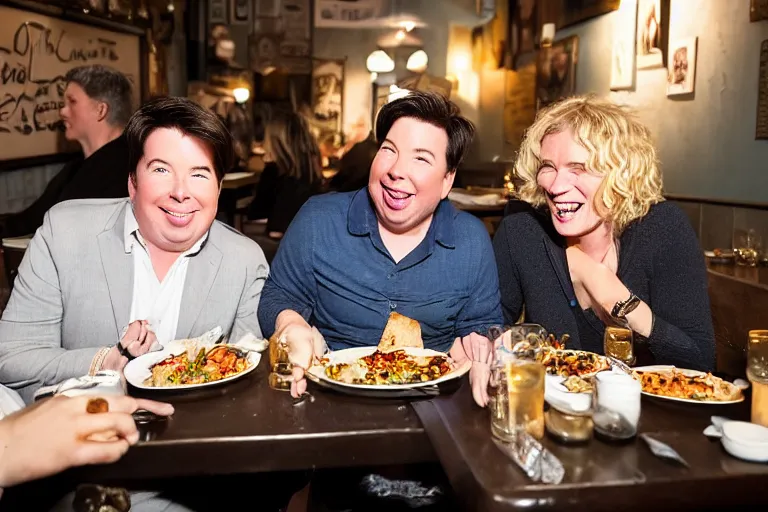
(157, 302)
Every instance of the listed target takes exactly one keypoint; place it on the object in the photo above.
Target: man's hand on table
(479, 350)
(303, 344)
(137, 340)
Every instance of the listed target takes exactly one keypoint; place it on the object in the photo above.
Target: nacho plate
(317, 372)
(736, 391)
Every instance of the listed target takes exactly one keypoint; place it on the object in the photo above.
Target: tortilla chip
(401, 332)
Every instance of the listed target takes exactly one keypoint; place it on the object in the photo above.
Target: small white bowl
(746, 441)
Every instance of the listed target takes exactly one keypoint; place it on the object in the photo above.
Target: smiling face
(569, 187)
(409, 175)
(80, 113)
(175, 192)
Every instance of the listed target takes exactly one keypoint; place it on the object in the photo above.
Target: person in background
(602, 246)
(97, 105)
(355, 165)
(292, 173)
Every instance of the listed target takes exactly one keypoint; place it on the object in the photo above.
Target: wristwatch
(124, 352)
(624, 307)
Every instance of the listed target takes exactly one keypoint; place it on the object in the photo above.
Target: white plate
(317, 372)
(138, 370)
(688, 373)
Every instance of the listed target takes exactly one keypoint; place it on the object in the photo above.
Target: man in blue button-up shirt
(349, 259)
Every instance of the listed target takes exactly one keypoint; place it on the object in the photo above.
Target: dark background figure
(291, 175)
(97, 105)
(355, 166)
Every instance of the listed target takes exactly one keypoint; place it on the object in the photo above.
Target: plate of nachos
(690, 386)
(399, 362)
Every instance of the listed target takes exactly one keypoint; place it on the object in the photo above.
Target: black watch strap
(624, 307)
(124, 352)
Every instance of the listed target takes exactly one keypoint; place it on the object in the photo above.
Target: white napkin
(104, 382)
(559, 397)
(10, 401)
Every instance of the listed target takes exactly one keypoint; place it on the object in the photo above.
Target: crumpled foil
(537, 462)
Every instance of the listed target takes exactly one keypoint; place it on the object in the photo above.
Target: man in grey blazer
(105, 280)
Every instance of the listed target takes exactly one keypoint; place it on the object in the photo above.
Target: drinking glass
(749, 248)
(280, 368)
(757, 373)
(618, 343)
(516, 386)
(617, 405)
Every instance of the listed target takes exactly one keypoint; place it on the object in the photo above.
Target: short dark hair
(189, 118)
(102, 83)
(436, 110)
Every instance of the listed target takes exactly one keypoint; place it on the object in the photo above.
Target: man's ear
(102, 109)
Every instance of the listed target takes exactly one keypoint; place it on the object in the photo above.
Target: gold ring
(97, 405)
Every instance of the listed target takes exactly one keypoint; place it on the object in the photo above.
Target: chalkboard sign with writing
(36, 51)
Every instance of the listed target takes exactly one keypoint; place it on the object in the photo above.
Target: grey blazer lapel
(201, 274)
(118, 270)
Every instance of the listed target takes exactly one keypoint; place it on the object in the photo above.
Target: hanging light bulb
(379, 62)
(408, 25)
(417, 62)
(400, 35)
(241, 94)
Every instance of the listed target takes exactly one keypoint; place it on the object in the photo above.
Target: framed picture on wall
(240, 12)
(652, 36)
(623, 51)
(217, 11)
(681, 72)
(327, 97)
(556, 71)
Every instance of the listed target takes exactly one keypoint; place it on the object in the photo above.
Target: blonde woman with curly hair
(600, 246)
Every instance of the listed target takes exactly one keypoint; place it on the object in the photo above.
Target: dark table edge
(730, 493)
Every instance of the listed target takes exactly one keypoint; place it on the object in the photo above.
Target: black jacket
(279, 198)
(104, 174)
(660, 261)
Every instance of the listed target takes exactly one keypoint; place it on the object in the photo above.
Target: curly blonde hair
(620, 149)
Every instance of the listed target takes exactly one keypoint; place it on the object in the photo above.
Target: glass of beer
(280, 368)
(516, 386)
(757, 373)
(618, 343)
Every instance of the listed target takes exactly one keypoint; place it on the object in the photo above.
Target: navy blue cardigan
(660, 261)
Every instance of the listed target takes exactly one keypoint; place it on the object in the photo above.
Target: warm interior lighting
(460, 62)
(374, 76)
(547, 35)
(400, 35)
(408, 25)
(417, 62)
(379, 62)
(395, 93)
(241, 94)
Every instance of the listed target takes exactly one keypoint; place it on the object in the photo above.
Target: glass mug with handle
(516, 386)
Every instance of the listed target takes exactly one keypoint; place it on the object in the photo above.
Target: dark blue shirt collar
(361, 219)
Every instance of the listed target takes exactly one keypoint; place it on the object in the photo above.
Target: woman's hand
(59, 433)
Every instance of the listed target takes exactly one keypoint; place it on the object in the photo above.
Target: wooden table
(599, 476)
(246, 427)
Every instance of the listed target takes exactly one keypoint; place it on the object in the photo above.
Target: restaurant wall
(706, 143)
